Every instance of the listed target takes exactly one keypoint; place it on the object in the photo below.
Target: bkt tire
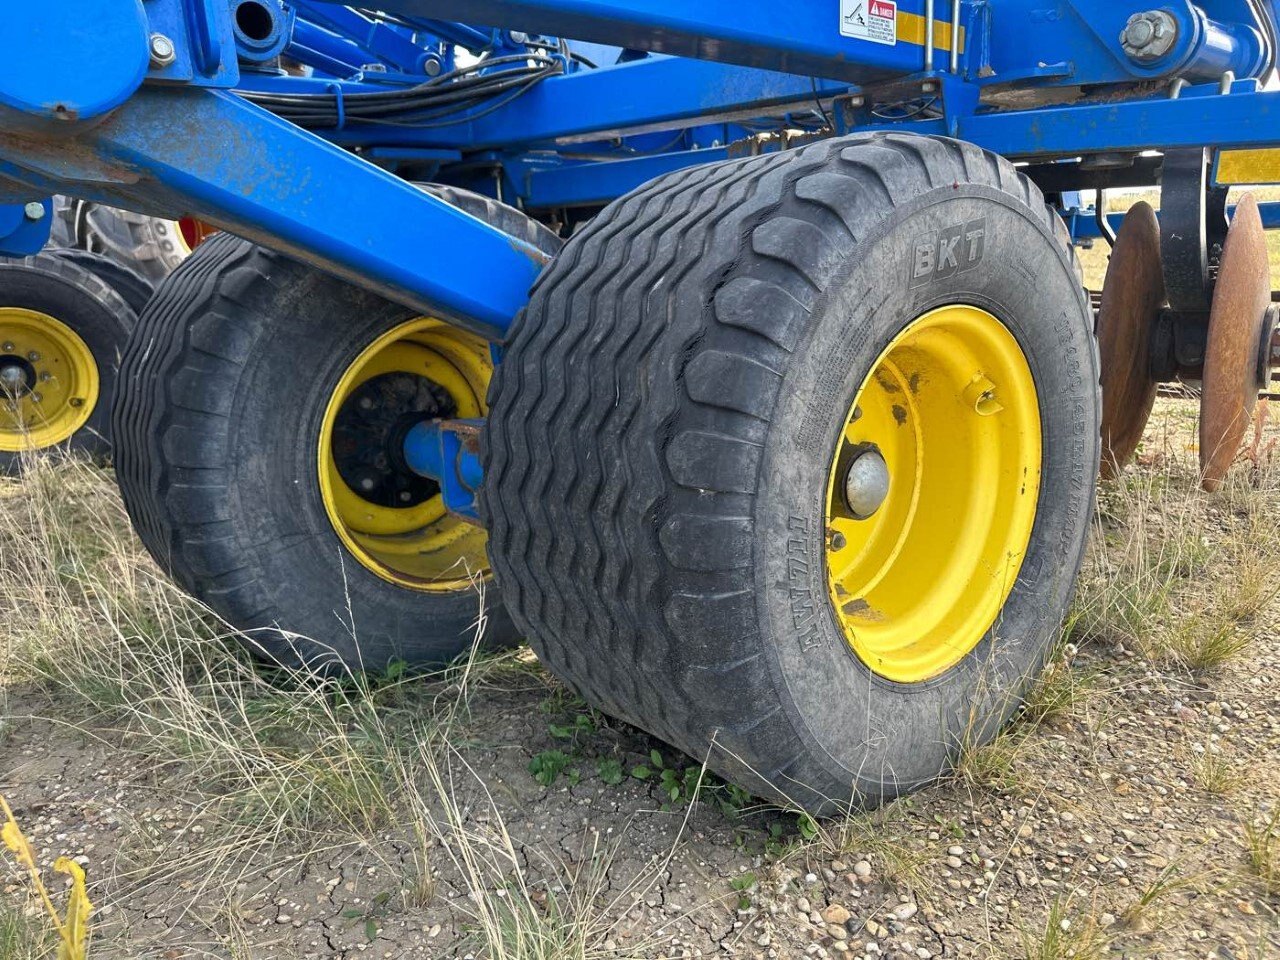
(790, 461)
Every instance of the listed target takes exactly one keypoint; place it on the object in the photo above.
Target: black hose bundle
(441, 101)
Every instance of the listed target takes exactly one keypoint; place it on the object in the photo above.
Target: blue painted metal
(21, 234)
(43, 47)
(614, 118)
(235, 166)
(799, 37)
(448, 452)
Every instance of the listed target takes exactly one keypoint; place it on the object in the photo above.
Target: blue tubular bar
(1233, 119)
(798, 37)
(448, 452)
(212, 155)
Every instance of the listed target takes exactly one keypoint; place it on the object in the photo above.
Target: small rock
(836, 913)
(862, 869)
(905, 911)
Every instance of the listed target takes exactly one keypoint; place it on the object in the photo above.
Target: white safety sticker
(874, 20)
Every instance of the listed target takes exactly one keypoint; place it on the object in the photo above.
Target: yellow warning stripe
(1248, 166)
(911, 30)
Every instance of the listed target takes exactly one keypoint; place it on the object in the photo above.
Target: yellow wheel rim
(48, 380)
(932, 491)
(394, 523)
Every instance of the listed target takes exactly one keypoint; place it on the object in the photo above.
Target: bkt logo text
(950, 251)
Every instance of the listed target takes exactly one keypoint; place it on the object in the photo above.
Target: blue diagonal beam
(210, 154)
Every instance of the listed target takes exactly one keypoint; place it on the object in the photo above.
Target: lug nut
(33, 357)
(37, 396)
(7, 347)
(866, 484)
(33, 211)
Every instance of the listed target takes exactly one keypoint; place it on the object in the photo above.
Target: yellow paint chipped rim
(67, 381)
(421, 547)
(951, 406)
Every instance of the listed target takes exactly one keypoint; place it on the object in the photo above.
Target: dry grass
(1262, 848)
(281, 762)
(882, 838)
(24, 935)
(1066, 936)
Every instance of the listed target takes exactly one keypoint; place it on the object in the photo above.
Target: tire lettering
(949, 252)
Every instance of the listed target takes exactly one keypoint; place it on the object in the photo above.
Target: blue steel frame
(89, 106)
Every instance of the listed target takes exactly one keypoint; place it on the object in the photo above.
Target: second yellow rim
(932, 492)
(392, 521)
(49, 381)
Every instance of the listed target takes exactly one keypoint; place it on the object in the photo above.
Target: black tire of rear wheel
(132, 286)
(148, 245)
(223, 387)
(51, 285)
(661, 426)
(498, 214)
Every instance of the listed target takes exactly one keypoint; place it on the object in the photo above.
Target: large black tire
(94, 312)
(151, 246)
(660, 434)
(496, 213)
(223, 388)
(133, 287)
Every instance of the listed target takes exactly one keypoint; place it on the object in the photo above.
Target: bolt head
(33, 357)
(1149, 35)
(866, 484)
(7, 346)
(33, 211)
(37, 397)
(162, 50)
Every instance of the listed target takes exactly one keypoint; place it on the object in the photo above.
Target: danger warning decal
(874, 20)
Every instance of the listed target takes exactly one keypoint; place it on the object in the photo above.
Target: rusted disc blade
(1230, 382)
(1132, 295)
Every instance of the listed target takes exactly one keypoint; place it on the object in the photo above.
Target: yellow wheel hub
(392, 521)
(932, 493)
(48, 380)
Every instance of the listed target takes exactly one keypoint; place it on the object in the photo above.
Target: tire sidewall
(304, 342)
(905, 735)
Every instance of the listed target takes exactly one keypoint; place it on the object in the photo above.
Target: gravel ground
(1113, 820)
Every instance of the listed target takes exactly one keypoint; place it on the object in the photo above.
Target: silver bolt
(366, 403)
(46, 377)
(367, 484)
(33, 357)
(1149, 35)
(162, 50)
(33, 211)
(37, 397)
(7, 346)
(866, 484)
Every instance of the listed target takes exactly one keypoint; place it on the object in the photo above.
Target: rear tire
(133, 287)
(151, 246)
(76, 325)
(244, 367)
(670, 410)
